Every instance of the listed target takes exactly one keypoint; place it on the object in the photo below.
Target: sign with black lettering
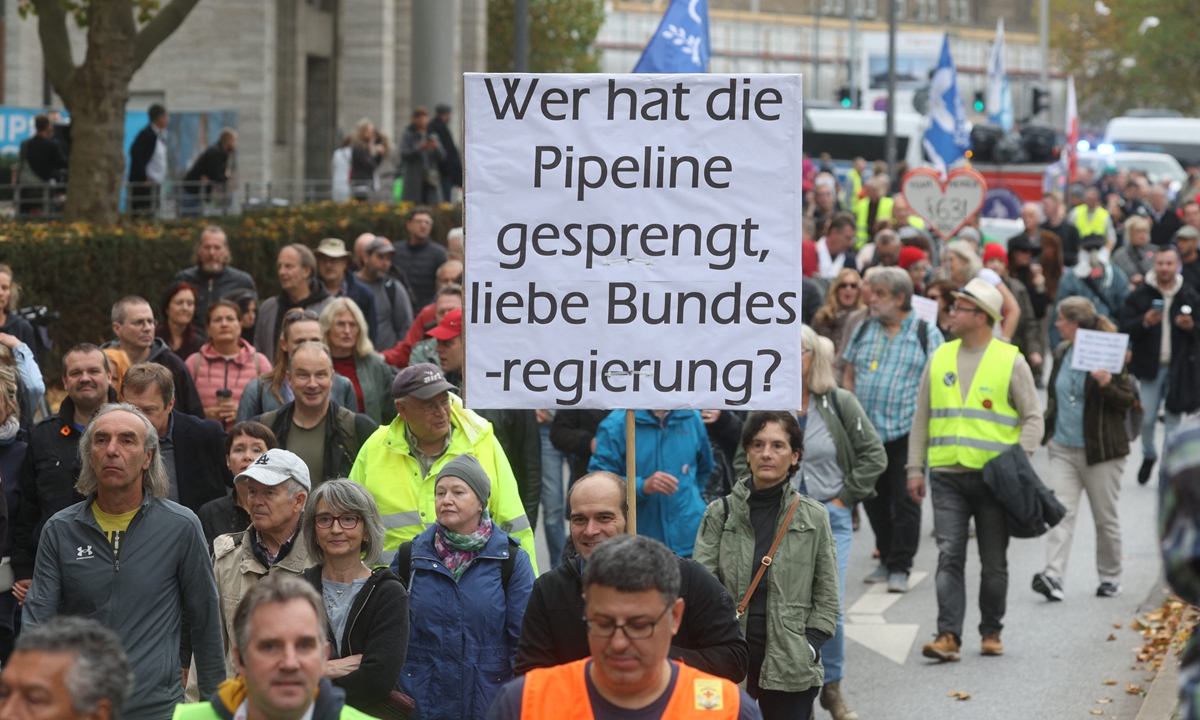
(633, 241)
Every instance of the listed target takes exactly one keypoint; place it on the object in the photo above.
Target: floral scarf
(457, 551)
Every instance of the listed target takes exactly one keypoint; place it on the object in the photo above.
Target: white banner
(633, 241)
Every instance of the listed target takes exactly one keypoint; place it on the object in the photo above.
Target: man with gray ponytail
(134, 560)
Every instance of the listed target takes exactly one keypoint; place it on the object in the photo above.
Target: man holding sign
(977, 400)
(1156, 305)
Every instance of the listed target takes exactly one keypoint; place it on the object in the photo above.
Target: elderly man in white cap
(277, 487)
(977, 400)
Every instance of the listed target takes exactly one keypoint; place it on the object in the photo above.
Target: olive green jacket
(860, 451)
(802, 582)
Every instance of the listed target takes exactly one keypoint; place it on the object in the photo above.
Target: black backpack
(507, 565)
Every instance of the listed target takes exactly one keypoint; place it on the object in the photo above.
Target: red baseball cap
(449, 327)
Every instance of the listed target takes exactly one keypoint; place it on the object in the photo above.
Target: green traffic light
(978, 106)
(845, 102)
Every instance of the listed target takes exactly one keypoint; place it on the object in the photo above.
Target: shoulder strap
(509, 564)
(404, 561)
(837, 406)
(923, 335)
(858, 332)
(766, 561)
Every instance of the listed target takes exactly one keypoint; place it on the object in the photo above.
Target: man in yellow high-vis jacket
(399, 463)
(977, 399)
(1091, 218)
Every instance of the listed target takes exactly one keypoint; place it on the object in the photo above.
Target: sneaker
(897, 582)
(1144, 470)
(1108, 589)
(1048, 586)
(879, 576)
(991, 645)
(945, 648)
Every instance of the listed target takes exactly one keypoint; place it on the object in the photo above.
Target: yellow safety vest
(386, 467)
(1098, 225)
(861, 208)
(854, 180)
(972, 432)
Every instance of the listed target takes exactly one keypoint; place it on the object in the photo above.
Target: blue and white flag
(680, 44)
(999, 98)
(947, 132)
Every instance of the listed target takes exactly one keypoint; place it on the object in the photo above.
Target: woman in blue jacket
(468, 583)
(674, 460)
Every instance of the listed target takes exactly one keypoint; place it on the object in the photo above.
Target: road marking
(865, 624)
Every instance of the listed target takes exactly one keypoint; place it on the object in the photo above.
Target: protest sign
(1096, 350)
(633, 241)
(925, 309)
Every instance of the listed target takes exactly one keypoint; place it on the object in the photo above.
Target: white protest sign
(925, 309)
(1096, 350)
(633, 241)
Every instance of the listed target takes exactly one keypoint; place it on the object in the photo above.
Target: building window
(927, 10)
(901, 10)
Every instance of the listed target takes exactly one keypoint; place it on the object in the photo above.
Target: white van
(1177, 137)
(847, 134)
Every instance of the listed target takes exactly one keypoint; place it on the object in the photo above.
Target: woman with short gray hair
(367, 609)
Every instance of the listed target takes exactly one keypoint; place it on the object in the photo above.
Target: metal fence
(188, 199)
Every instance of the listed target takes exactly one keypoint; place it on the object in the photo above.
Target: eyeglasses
(298, 314)
(852, 286)
(348, 522)
(961, 309)
(433, 408)
(636, 630)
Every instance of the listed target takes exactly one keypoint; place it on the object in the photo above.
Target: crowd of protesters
(236, 478)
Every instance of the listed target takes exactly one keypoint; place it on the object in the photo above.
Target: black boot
(1144, 472)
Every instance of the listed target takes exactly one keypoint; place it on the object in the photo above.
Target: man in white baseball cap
(277, 487)
(977, 400)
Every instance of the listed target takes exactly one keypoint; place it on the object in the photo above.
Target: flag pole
(631, 473)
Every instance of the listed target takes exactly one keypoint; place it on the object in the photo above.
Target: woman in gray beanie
(468, 582)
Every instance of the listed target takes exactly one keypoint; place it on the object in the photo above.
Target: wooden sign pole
(631, 472)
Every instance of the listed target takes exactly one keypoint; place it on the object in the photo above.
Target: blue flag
(947, 132)
(680, 44)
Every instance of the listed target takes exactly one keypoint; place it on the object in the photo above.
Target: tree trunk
(96, 92)
(96, 95)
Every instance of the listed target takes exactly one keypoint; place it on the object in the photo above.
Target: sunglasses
(297, 315)
(852, 286)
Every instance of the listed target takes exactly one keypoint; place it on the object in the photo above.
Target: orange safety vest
(561, 693)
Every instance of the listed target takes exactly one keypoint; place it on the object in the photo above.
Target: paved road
(1056, 654)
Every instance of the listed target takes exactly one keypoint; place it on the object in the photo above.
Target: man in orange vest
(633, 608)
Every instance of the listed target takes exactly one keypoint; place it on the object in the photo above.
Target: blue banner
(947, 132)
(680, 44)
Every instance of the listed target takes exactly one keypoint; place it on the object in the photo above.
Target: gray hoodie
(162, 574)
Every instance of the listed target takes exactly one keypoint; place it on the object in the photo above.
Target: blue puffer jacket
(462, 640)
(677, 446)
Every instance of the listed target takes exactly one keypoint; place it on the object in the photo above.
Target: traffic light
(1041, 101)
(844, 96)
(978, 101)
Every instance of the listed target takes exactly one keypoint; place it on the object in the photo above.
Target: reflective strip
(515, 525)
(402, 519)
(386, 557)
(971, 443)
(975, 414)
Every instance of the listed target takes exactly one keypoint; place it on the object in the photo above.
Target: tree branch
(56, 44)
(159, 29)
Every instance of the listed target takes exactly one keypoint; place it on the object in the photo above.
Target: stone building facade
(299, 73)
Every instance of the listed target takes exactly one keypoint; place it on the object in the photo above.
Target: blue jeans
(833, 652)
(1154, 392)
(552, 497)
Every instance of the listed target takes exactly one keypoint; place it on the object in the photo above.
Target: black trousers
(894, 517)
(779, 705)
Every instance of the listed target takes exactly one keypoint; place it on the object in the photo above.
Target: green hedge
(80, 271)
